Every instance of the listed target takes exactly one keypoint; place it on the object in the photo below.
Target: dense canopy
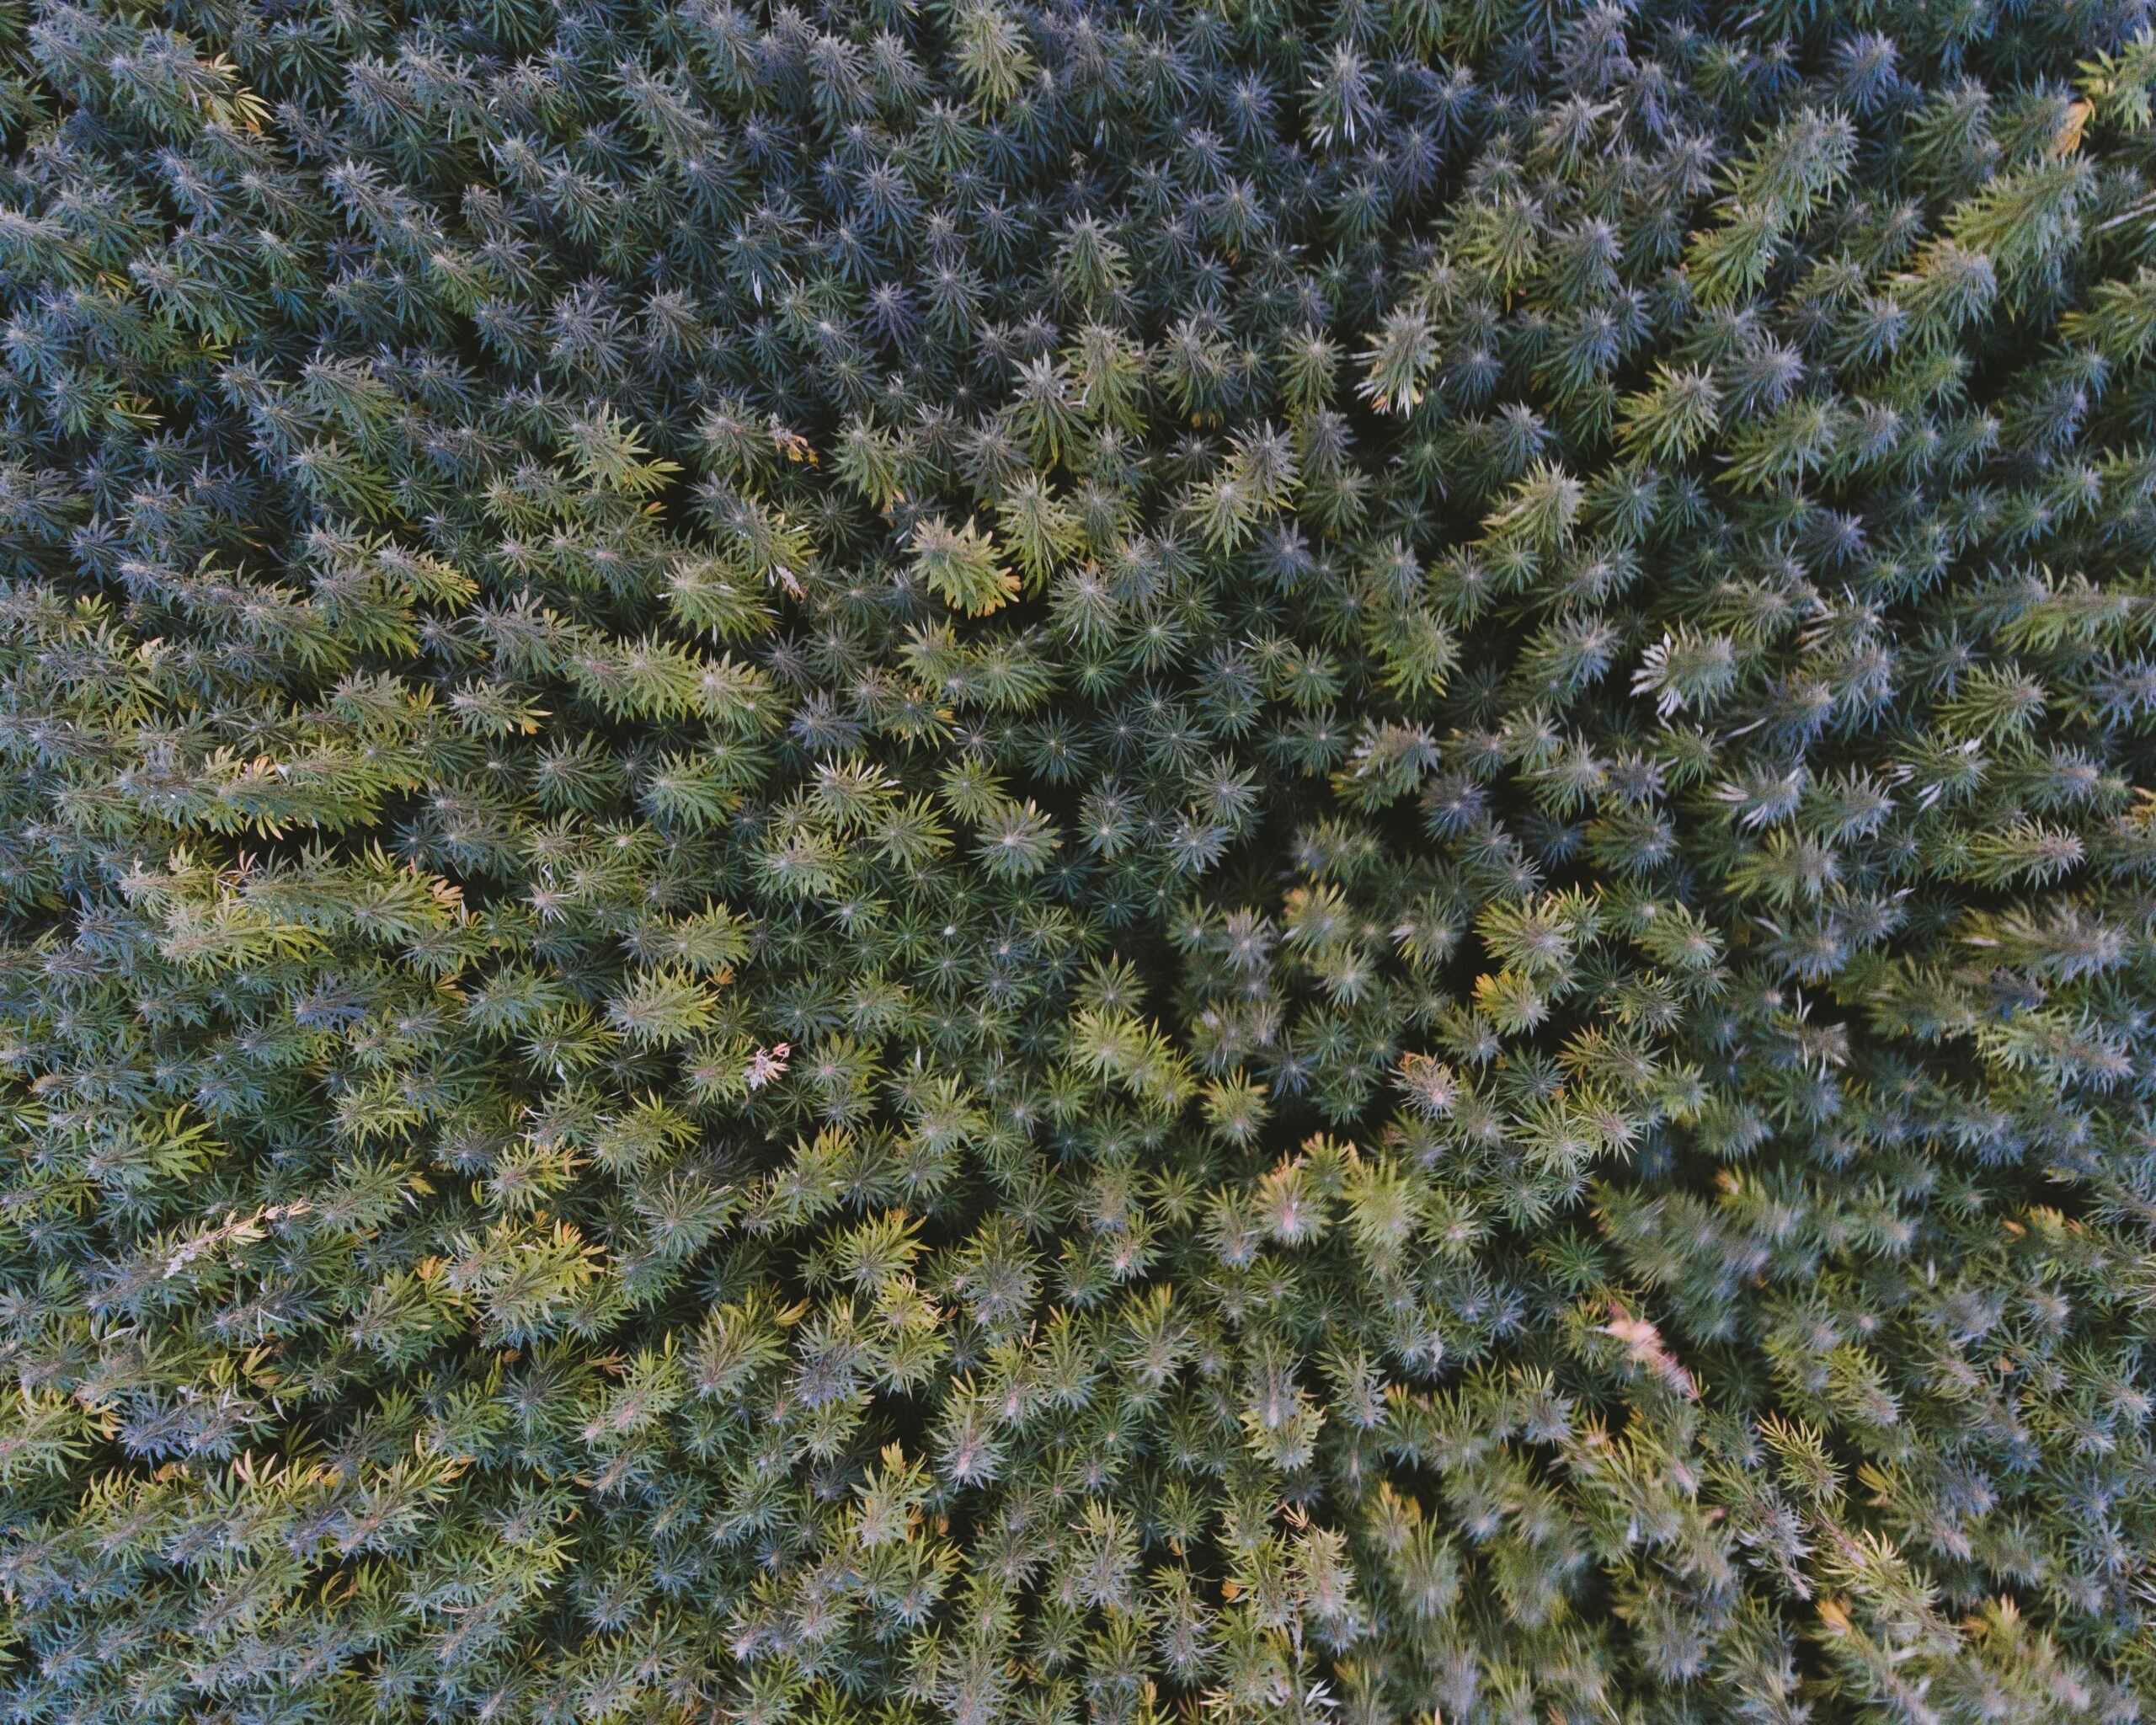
(941, 862)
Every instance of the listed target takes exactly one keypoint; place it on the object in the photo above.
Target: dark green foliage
(962, 862)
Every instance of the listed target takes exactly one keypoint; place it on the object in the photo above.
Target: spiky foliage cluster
(954, 862)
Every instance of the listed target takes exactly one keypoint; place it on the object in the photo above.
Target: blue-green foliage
(942, 861)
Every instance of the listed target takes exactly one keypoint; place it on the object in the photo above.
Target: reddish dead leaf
(1643, 1346)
